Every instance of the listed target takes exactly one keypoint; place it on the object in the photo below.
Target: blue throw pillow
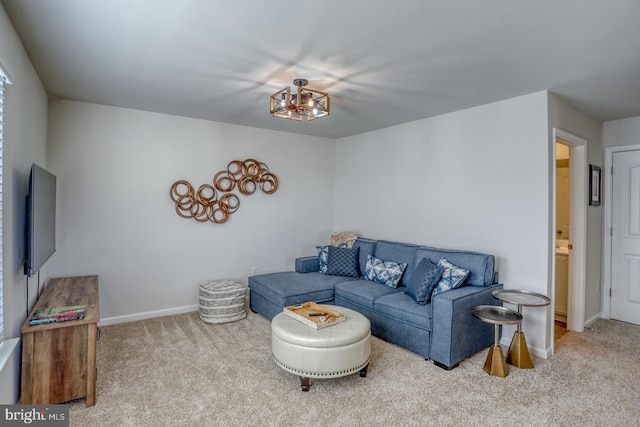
(323, 256)
(385, 272)
(452, 277)
(425, 278)
(342, 261)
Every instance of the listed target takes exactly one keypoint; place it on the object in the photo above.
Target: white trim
(6, 349)
(608, 218)
(577, 260)
(590, 321)
(10, 370)
(505, 340)
(148, 315)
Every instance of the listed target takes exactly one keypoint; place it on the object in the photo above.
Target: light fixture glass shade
(308, 103)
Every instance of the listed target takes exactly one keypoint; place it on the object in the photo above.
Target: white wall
(475, 179)
(25, 134)
(565, 117)
(115, 167)
(618, 133)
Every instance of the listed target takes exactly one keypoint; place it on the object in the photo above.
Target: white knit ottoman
(222, 301)
(331, 352)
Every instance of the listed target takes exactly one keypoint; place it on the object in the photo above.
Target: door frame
(577, 258)
(608, 222)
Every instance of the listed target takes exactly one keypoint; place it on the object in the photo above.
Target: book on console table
(314, 315)
(57, 314)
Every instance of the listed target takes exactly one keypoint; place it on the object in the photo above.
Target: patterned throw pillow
(452, 277)
(323, 256)
(424, 279)
(385, 272)
(342, 262)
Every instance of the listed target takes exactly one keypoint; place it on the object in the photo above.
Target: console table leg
(92, 336)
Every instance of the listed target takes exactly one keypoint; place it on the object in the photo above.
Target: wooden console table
(59, 359)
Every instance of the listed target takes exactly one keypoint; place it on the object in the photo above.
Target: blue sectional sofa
(443, 329)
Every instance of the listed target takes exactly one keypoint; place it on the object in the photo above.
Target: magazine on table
(57, 314)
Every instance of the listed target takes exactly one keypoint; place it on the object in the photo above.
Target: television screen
(41, 219)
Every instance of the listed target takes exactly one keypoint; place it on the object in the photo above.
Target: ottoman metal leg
(304, 383)
(363, 371)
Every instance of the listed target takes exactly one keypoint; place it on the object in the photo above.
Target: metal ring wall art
(215, 202)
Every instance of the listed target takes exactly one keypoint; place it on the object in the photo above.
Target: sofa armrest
(456, 333)
(307, 264)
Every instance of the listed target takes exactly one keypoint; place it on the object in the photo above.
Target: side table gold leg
(495, 363)
(519, 352)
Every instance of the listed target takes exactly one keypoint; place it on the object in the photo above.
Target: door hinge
(609, 292)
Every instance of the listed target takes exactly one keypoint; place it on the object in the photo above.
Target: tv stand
(59, 359)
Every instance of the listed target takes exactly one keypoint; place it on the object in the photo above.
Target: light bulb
(311, 102)
(314, 111)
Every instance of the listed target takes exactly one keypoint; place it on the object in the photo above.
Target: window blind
(2, 81)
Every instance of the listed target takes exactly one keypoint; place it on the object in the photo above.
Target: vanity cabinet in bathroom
(562, 286)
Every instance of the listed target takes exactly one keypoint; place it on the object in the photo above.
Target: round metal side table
(495, 363)
(518, 355)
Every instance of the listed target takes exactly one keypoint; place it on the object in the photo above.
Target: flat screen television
(41, 219)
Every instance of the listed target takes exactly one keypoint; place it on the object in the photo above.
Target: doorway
(577, 230)
(621, 296)
(563, 238)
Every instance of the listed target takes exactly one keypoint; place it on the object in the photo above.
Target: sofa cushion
(452, 277)
(343, 262)
(365, 247)
(363, 292)
(323, 256)
(481, 266)
(400, 253)
(385, 272)
(402, 307)
(289, 287)
(424, 278)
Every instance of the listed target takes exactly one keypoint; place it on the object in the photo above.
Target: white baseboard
(562, 317)
(535, 351)
(147, 315)
(590, 321)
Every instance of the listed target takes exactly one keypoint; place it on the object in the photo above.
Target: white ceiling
(383, 62)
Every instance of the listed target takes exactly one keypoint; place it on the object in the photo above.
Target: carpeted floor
(179, 371)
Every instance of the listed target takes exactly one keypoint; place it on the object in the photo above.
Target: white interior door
(625, 239)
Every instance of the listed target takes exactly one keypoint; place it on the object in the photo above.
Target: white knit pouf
(222, 301)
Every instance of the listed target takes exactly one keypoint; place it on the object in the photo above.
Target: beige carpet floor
(179, 371)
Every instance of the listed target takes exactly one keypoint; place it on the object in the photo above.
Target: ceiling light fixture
(306, 102)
